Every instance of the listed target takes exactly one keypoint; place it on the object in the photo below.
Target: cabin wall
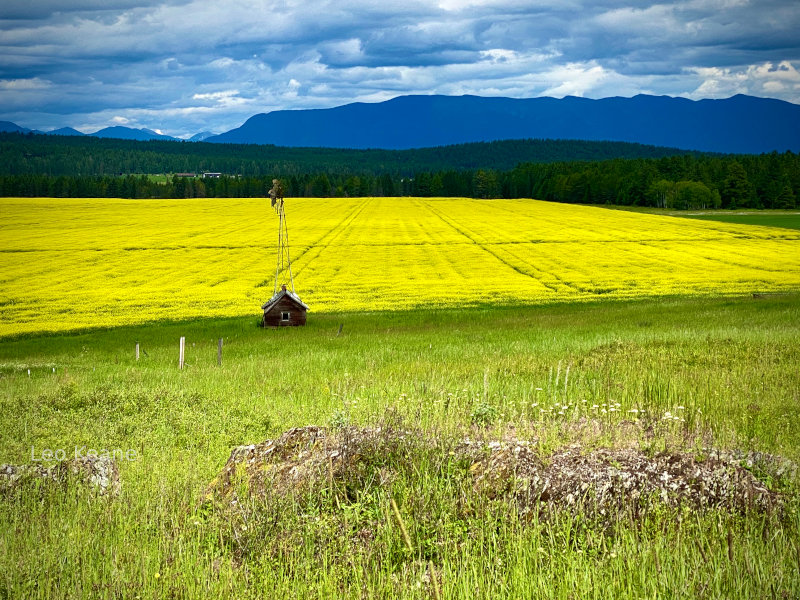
(273, 318)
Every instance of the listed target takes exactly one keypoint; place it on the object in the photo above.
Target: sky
(185, 66)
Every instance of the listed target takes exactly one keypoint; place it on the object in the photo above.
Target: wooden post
(338, 333)
(182, 353)
(219, 352)
(137, 350)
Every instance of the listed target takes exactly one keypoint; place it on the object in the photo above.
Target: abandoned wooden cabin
(284, 309)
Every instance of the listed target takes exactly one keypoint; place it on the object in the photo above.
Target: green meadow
(772, 218)
(726, 370)
(788, 219)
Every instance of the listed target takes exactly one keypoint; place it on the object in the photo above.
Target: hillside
(741, 124)
(56, 155)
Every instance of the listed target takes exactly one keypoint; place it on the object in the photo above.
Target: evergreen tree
(736, 189)
(786, 199)
(484, 184)
(387, 187)
(320, 186)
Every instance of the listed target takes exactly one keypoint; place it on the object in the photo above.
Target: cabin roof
(281, 294)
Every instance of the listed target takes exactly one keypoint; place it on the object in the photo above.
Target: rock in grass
(99, 474)
(306, 456)
(611, 480)
(597, 480)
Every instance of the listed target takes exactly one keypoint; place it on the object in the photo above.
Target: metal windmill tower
(284, 308)
(284, 264)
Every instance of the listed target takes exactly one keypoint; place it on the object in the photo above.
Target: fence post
(219, 352)
(182, 353)
(137, 350)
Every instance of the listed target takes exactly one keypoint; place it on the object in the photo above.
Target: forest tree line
(32, 154)
(686, 181)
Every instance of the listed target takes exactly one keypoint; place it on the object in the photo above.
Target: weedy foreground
(438, 504)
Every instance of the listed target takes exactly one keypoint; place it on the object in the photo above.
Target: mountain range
(117, 132)
(740, 124)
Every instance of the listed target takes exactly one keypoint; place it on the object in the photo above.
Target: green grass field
(788, 219)
(772, 218)
(730, 367)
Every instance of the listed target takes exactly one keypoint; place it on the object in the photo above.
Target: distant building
(212, 175)
(284, 309)
(185, 174)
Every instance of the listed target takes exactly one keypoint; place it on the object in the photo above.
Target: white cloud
(766, 79)
(497, 55)
(216, 95)
(347, 51)
(575, 79)
(15, 85)
(226, 98)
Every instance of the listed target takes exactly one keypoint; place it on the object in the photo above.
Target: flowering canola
(76, 263)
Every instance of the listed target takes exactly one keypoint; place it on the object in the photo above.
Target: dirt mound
(601, 480)
(99, 473)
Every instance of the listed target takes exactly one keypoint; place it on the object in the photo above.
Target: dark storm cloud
(188, 65)
(42, 9)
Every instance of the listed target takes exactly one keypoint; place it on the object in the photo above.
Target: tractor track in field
(471, 236)
(327, 238)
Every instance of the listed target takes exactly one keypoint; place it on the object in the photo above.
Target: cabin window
(285, 316)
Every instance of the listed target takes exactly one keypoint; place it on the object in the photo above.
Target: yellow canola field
(76, 263)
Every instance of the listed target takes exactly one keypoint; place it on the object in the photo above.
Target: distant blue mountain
(741, 124)
(65, 131)
(8, 126)
(127, 133)
(118, 132)
(122, 133)
(199, 137)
